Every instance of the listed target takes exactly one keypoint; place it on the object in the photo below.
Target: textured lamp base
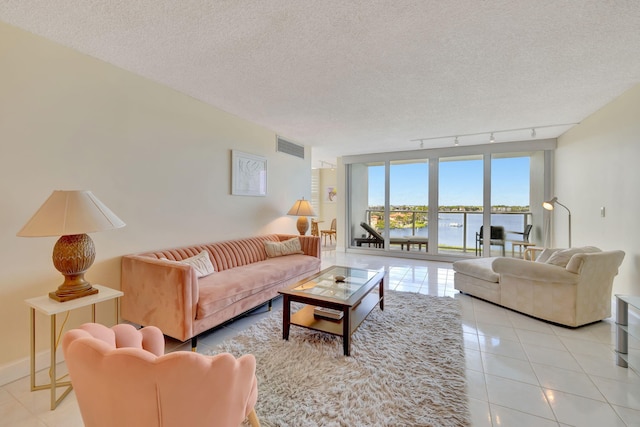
(72, 256)
(62, 295)
(302, 225)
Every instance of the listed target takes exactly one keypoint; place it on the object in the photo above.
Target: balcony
(456, 229)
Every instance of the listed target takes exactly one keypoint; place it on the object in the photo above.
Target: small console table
(51, 308)
(531, 252)
(520, 246)
(623, 330)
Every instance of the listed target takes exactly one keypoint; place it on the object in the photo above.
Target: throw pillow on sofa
(561, 258)
(201, 263)
(287, 247)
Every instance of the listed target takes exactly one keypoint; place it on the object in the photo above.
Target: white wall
(596, 165)
(159, 159)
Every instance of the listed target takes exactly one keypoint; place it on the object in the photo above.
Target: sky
(460, 183)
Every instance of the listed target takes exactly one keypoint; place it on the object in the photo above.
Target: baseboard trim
(20, 368)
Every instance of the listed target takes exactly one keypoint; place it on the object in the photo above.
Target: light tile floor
(520, 371)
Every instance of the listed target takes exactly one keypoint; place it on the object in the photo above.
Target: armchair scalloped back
(122, 377)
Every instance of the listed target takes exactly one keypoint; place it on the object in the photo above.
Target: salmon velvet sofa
(161, 290)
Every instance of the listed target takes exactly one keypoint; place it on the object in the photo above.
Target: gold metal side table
(51, 308)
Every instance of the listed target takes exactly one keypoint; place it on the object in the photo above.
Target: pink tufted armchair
(122, 377)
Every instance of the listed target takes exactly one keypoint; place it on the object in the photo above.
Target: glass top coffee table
(348, 302)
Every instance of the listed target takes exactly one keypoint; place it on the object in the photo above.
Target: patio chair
(374, 238)
(331, 232)
(497, 238)
(524, 243)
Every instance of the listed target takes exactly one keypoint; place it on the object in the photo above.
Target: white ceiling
(361, 76)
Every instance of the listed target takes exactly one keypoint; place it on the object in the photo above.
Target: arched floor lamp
(549, 204)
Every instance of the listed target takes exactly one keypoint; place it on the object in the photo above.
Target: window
(432, 203)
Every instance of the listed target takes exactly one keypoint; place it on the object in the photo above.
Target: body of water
(451, 230)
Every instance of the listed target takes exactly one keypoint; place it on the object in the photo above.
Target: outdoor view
(460, 200)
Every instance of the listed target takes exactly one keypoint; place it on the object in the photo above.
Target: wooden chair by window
(314, 227)
(331, 232)
(497, 238)
(524, 243)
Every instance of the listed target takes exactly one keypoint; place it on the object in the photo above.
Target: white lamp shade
(301, 207)
(67, 213)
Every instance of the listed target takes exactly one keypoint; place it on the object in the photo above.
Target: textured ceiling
(360, 76)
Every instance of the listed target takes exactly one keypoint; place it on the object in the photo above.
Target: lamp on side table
(72, 214)
(302, 209)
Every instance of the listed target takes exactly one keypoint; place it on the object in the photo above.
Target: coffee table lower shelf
(353, 294)
(305, 317)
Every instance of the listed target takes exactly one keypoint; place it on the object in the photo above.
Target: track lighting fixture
(455, 142)
(492, 139)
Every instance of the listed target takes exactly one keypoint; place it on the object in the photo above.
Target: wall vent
(288, 147)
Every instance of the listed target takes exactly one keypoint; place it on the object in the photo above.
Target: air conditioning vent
(288, 147)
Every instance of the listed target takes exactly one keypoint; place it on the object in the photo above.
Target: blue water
(451, 235)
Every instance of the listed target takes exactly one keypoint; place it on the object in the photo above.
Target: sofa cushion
(201, 263)
(561, 258)
(480, 268)
(226, 287)
(287, 247)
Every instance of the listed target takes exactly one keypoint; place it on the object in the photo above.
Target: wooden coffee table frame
(356, 308)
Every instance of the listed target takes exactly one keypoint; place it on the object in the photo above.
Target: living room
(160, 159)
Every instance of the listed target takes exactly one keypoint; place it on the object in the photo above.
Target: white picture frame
(248, 174)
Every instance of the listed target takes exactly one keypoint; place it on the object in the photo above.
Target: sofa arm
(536, 271)
(159, 293)
(310, 244)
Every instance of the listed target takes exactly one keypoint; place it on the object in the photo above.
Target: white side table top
(48, 306)
(632, 300)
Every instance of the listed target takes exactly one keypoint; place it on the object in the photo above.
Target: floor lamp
(549, 205)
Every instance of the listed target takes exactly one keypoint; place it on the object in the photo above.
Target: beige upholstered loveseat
(571, 287)
(161, 290)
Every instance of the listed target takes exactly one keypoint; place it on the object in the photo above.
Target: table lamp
(302, 209)
(549, 204)
(72, 214)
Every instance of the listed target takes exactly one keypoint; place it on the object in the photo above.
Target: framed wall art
(248, 174)
(330, 194)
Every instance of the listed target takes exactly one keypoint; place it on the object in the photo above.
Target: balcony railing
(456, 229)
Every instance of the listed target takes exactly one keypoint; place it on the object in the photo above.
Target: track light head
(455, 142)
(533, 132)
(492, 139)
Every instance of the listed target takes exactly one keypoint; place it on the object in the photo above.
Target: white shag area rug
(406, 368)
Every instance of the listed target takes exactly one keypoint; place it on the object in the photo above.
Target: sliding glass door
(510, 202)
(367, 213)
(447, 204)
(408, 205)
(460, 204)
(399, 224)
